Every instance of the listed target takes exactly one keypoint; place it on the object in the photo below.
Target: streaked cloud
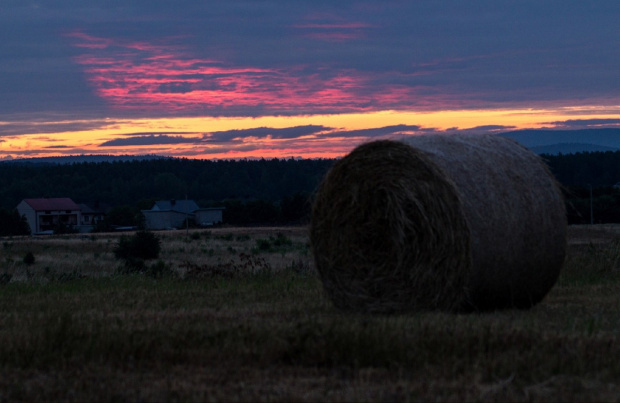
(263, 132)
(380, 131)
(585, 123)
(332, 28)
(36, 127)
(480, 129)
(153, 139)
(137, 134)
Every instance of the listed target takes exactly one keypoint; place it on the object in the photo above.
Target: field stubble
(72, 328)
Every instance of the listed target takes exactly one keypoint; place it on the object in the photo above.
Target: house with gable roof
(171, 214)
(92, 214)
(46, 214)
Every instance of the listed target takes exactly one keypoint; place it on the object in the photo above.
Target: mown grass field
(239, 314)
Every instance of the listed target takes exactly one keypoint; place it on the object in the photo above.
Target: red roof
(62, 203)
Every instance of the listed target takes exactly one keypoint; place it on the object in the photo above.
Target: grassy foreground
(240, 315)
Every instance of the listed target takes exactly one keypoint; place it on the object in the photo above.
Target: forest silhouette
(255, 192)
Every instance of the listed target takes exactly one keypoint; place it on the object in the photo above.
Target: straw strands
(442, 222)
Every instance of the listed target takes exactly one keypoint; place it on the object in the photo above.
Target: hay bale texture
(441, 222)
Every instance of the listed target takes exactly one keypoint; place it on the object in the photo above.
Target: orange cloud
(306, 136)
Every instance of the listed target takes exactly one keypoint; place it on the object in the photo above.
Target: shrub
(142, 246)
(29, 258)
(136, 249)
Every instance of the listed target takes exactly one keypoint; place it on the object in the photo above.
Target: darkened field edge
(273, 335)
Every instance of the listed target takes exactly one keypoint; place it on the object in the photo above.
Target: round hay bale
(448, 222)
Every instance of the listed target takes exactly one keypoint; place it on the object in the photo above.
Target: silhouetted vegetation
(588, 181)
(29, 258)
(134, 250)
(12, 224)
(254, 192)
(599, 169)
(128, 182)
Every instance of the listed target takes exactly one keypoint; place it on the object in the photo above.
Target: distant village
(44, 215)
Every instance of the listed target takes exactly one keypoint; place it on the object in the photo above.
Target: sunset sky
(288, 78)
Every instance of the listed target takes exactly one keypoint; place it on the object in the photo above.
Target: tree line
(588, 182)
(254, 192)
(127, 182)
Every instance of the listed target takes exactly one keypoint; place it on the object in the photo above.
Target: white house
(43, 215)
(209, 216)
(168, 214)
(91, 215)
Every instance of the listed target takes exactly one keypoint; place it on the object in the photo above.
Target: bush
(29, 258)
(142, 246)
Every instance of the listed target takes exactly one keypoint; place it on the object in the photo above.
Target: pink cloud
(88, 41)
(138, 75)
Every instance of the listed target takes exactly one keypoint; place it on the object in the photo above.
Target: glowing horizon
(326, 136)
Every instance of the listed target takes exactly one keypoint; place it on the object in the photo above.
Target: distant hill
(76, 159)
(547, 141)
(570, 148)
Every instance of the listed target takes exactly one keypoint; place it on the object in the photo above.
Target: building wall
(164, 219)
(24, 209)
(208, 217)
(46, 220)
(92, 218)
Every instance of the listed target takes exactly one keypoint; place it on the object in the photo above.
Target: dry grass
(93, 255)
(275, 336)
